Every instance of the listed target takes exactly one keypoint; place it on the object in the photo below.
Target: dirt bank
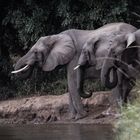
(46, 109)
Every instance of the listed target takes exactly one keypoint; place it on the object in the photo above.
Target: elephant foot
(81, 115)
(76, 116)
(72, 116)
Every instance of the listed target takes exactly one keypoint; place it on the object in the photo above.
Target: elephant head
(121, 56)
(88, 58)
(47, 53)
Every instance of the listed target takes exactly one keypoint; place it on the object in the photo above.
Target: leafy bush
(129, 124)
(24, 22)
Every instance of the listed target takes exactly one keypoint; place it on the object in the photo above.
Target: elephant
(127, 63)
(65, 49)
(96, 55)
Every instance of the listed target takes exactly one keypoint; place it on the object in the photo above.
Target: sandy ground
(54, 109)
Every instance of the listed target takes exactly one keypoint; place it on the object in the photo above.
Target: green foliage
(91, 14)
(129, 124)
(6, 87)
(93, 85)
(29, 23)
(54, 82)
(24, 22)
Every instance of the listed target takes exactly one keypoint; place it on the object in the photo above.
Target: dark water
(56, 132)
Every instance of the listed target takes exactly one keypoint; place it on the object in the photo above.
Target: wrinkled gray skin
(65, 48)
(96, 55)
(129, 63)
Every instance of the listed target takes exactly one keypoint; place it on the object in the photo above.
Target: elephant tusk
(22, 69)
(77, 67)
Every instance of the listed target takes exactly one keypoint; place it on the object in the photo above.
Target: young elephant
(105, 59)
(65, 48)
(128, 63)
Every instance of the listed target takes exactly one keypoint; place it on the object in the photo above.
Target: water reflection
(56, 132)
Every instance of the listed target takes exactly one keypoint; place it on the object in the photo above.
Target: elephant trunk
(106, 78)
(109, 71)
(19, 65)
(80, 83)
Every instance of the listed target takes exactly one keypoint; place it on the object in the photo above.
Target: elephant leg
(76, 105)
(128, 84)
(116, 96)
(75, 102)
(116, 99)
(117, 92)
(71, 108)
(123, 88)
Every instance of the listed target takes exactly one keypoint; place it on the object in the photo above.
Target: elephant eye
(35, 51)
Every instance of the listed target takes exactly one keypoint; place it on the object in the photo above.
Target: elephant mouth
(23, 69)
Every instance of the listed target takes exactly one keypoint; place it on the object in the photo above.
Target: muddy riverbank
(54, 109)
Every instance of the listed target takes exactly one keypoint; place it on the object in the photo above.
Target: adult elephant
(65, 48)
(128, 63)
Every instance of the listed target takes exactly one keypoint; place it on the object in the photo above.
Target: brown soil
(46, 109)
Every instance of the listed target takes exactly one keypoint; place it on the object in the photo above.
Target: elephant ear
(130, 39)
(88, 52)
(101, 51)
(61, 53)
(132, 53)
(97, 47)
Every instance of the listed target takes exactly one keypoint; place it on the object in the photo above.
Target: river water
(57, 132)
